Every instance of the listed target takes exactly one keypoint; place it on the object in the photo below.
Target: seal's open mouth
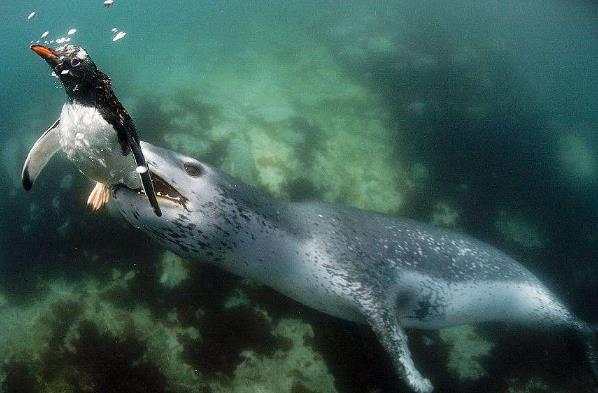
(164, 191)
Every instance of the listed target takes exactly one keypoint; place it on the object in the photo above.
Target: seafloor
(380, 121)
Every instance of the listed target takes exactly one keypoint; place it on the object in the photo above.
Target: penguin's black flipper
(146, 179)
(39, 155)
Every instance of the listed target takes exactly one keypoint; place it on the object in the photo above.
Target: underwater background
(479, 116)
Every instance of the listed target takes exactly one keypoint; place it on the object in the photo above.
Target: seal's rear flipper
(39, 155)
(590, 340)
(146, 179)
(394, 340)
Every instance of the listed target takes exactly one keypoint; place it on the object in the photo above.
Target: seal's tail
(590, 341)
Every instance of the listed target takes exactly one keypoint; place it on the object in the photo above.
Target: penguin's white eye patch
(81, 54)
(192, 169)
(75, 62)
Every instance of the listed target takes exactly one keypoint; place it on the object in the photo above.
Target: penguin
(94, 130)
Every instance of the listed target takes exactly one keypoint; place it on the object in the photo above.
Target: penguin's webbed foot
(99, 196)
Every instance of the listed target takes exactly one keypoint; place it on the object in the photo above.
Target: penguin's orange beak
(48, 54)
(43, 51)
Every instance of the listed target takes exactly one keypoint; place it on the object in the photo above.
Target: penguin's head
(75, 69)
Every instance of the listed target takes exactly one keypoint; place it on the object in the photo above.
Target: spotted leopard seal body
(391, 273)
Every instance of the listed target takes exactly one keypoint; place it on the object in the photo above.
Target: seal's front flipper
(394, 340)
(146, 179)
(99, 196)
(39, 155)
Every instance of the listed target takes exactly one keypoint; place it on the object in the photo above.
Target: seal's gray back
(430, 277)
(379, 245)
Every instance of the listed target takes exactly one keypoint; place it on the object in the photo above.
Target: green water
(476, 116)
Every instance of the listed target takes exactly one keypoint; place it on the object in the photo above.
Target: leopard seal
(391, 273)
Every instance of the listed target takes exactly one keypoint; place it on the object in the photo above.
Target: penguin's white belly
(92, 144)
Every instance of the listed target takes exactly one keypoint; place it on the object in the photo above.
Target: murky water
(476, 116)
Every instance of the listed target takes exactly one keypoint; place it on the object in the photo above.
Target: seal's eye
(75, 62)
(192, 169)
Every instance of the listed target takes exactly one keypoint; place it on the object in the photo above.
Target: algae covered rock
(174, 270)
(577, 158)
(296, 368)
(520, 230)
(297, 125)
(534, 385)
(466, 349)
(76, 337)
(444, 214)
(95, 336)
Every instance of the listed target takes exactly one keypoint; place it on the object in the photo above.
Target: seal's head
(75, 69)
(177, 180)
(192, 196)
